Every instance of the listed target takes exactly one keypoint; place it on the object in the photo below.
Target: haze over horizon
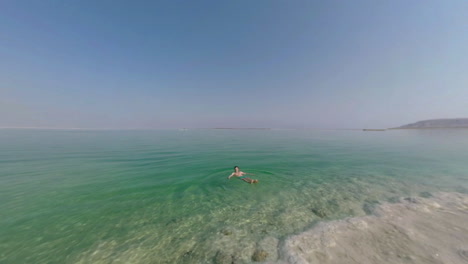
(173, 64)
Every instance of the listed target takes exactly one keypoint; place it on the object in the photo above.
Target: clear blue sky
(262, 63)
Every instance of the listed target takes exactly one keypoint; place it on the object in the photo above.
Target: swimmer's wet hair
(236, 167)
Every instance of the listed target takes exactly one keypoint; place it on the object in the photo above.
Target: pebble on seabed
(224, 258)
(259, 255)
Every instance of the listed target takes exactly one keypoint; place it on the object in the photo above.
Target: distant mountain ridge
(438, 123)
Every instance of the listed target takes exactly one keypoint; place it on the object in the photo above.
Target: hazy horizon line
(179, 128)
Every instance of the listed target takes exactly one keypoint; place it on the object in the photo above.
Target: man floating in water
(240, 175)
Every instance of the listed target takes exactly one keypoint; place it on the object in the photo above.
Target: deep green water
(162, 196)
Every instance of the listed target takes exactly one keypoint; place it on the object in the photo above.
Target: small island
(437, 123)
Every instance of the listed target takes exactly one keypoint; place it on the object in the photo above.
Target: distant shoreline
(418, 128)
(443, 123)
(228, 128)
(178, 128)
(247, 128)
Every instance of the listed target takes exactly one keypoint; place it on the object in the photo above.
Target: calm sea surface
(162, 196)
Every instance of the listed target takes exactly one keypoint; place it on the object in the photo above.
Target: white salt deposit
(414, 230)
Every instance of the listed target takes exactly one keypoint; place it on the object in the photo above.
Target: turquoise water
(162, 196)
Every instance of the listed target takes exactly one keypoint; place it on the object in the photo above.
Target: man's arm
(232, 174)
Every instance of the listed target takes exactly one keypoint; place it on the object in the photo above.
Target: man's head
(236, 168)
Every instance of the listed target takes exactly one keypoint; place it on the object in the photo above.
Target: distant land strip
(437, 123)
(246, 128)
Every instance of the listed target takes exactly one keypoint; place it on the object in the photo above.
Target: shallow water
(162, 196)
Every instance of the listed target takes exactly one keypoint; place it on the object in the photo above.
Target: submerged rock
(259, 255)
(270, 245)
(188, 257)
(188, 254)
(319, 212)
(223, 258)
(226, 232)
(333, 204)
(411, 199)
(369, 206)
(172, 221)
(425, 194)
